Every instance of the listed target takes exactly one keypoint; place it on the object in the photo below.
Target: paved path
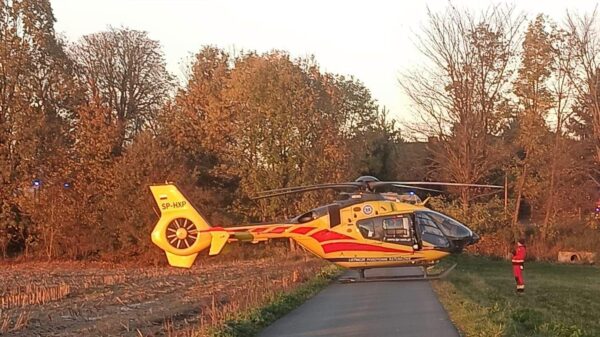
(377, 309)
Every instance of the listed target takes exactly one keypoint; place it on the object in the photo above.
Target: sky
(370, 40)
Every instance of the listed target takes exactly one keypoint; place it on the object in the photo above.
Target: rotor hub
(181, 233)
(366, 179)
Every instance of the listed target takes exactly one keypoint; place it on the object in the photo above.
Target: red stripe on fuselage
(302, 230)
(213, 229)
(278, 230)
(327, 235)
(352, 246)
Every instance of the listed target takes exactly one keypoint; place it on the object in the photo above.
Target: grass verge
(250, 322)
(560, 300)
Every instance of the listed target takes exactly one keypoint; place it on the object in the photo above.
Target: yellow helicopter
(366, 229)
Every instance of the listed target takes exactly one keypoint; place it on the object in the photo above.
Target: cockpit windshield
(429, 231)
(450, 227)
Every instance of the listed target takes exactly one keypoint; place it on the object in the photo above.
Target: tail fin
(182, 232)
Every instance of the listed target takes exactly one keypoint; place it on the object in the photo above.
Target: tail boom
(182, 232)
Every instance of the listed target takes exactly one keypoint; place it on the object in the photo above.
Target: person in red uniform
(518, 260)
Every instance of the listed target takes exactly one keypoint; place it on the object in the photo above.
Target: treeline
(85, 126)
(502, 99)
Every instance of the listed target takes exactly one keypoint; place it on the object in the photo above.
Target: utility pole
(505, 195)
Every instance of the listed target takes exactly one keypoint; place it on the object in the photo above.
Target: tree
(376, 149)
(195, 123)
(561, 174)
(278, 113)
(37, 96)
(459, 93)
(141, 165)
(93, 178)
(584, 54)
(196, 128)
(126, 69)
(370, 136)
(534, 99)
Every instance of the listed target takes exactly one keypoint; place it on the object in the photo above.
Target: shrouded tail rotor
(182, 232)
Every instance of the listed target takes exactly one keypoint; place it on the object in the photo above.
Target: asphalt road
(408, 308)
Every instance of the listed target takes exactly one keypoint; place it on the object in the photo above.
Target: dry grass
(33, 294)
(255, 293)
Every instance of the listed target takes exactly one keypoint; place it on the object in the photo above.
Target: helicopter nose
(475, 238)
(459, 244)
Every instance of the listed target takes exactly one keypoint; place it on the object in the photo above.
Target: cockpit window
(369, 231)
(396, 229)
(430, 232)
(451, 228)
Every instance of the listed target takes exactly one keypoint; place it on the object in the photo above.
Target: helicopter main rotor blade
(484, 195)
(294, 188)
(307, 189)
(439, 183)
(417, 188)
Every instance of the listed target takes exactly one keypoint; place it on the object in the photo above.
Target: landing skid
(423, 277)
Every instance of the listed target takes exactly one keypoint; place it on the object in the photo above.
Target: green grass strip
(250, 323)
(559, 300)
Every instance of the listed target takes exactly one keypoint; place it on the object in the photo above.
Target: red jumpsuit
(518, 260)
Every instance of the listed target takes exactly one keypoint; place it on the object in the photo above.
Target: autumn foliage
(86, 125)
(506, 100)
